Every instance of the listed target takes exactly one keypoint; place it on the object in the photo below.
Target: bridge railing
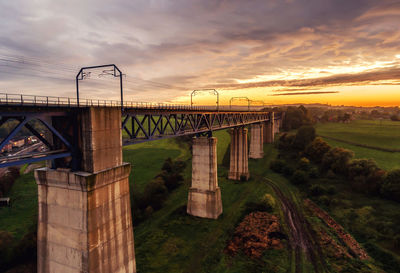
(53, 101)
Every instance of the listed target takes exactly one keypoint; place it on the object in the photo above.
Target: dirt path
(302, 237)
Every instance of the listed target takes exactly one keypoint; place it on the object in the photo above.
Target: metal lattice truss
(140, 127)
(55, 144)
(58, 138)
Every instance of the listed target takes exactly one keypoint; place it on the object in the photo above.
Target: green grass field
(147, 159)
(19, 219)
(170, 240)
(384, 134)
(381, 134)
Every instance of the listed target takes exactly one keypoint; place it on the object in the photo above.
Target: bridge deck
(140, 122)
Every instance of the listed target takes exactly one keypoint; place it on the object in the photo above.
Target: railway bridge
(85, 220)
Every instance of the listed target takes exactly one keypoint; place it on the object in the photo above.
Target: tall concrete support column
(204, 194)
(239, 168)
(256, 141)
(270, 132)
(85, 222)
(277, 126)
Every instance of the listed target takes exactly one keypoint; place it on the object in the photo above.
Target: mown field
(365, 138)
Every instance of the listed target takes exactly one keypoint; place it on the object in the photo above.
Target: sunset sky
(289, 51)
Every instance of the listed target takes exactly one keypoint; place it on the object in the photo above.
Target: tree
(316, 149)
(365, 175)
(304, 136)
(299, 177)
(391, 185)
(155, 193)
(286, 141)
(337, 160)
(295, 117)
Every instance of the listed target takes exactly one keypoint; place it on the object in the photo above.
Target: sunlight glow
(344, 68)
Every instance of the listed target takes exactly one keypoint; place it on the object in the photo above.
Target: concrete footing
(239, 161)
(204, 198)
(85, 221)
(256, 141)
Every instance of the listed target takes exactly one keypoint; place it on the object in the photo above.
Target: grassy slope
(372, 133)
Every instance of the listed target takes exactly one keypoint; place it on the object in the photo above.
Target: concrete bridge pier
(85, 222)
(277, 126)
(256, 141)
(239, 160)
(204, 198)
(270, 129)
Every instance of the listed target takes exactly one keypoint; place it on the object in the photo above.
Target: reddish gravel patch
(257, 232)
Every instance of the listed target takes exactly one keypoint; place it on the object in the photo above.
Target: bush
(288, 171)
(331, 190)
(155, 193)
(317, 149)
(269, 201)
(313, 172)
(396, 242)
(172, 180)
(361, 167)
(395, 117)
(304, 136)
(304, 164)
(337, 160)
(285, 142)
(391, 185)
(299, 177)
(6, 240)
(317, 190)
(330, 174)
(243, 178)
(8, 179)
(365, 175)
(277, 165)
(324, 200)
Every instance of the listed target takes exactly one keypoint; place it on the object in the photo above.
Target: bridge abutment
(256, 141)
(204, 198)
(85, 221)
(239, 160)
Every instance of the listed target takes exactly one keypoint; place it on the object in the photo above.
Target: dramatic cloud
(362, 78)
(167, 48)
(306, 93)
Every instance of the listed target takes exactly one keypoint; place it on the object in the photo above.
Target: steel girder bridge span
(60, 118)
